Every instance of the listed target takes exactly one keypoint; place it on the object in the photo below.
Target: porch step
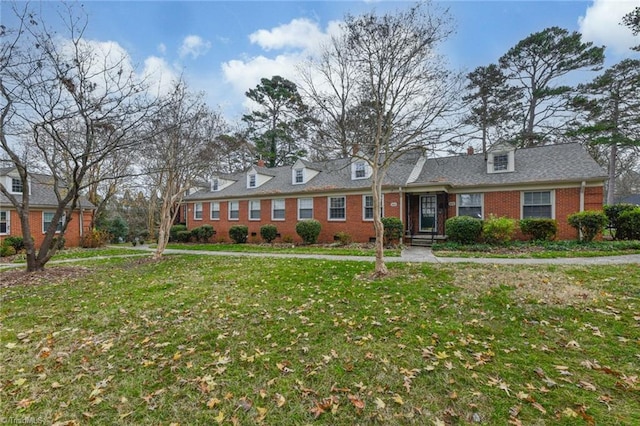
(424, 240)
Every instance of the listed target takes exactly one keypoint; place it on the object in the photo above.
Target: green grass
(81, 253)
(538, 250)
(196, 339)
(285, 249)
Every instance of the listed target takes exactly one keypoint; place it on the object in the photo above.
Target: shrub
(343, 238)
(7, 250)
(288, 239)
(203, 233)
(15, 242)
(239, 233)
(95, 238)
(613, 212)
(173, 231)
(118, 229)
(498, 230)
(183, 236)
(268, 232)
(463, 229)
(392, 230)
(308, 230)
(539, 229)
(629, 223)
(589, 223)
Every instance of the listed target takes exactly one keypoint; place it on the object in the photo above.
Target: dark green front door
(428, 209)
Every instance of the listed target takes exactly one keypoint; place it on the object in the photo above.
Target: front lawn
(538, 250)
(349, 250)
(218, 340)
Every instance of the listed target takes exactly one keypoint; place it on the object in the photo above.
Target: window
(337, 208)
(367, 207)
(537, 205)
(254, 210)
(16, 186)
(470, 205)
(252, 181)
(298, 176)
(234, 210)
(47, 218)
(214, 210)
(197, 211)
(360, 170)
(4, 222)
(215, 185)
(500, 162)
(277, 209)
(305, 208)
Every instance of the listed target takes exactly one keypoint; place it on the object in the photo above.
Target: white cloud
(194, 46)
(159, 75)
(601, 24)
(297, 34)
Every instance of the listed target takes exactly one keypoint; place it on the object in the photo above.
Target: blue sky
(224, 47)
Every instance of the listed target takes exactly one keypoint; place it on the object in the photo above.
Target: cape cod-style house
(548, 181)
(42, 204)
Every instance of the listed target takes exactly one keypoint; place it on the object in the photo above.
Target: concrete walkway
(409, 255)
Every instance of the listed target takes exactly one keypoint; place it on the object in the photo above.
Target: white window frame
(198, 210)
(214, 207)
(504, 166)
(298, 173)
(459, 204)
(329, 207)
(6, 221)
(364, 207)
(552, 200)
(273, 209)
(359, 166)
(231, 204)
(252, 180)
(306, 208)
(60, 223)
(19, 182)
(252, 204)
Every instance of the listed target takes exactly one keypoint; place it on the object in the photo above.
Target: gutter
(583, 185)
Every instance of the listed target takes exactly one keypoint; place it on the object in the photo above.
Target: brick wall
(354, 225)
(71, 236)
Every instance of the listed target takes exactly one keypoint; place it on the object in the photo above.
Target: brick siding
(71, 236)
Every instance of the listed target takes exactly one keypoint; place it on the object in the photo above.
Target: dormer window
(215, 185)
(500, 162)
(16, 186)
(298, 176)
(252, 181)
(360, 170)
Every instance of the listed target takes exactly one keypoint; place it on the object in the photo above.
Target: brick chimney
(260, 163)
(470, 150)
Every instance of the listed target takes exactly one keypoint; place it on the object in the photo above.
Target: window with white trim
(470, 205)
(537, 204)
(197, 211)
(47, 218)
(360, 170)
(298, 176)
(16, 186)
(252, 181)
(4, 222)
(305, 208)
(234, 210)
(214, 210)
(254, 209)
(277, 209)
(500, 162)
(215, 185)
(337, 208)
(367, 207)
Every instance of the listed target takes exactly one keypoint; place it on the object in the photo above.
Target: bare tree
(177, 155)
(76, 105)
(386, 70)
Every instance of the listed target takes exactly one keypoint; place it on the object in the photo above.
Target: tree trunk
(611, 184)
(164, 228)
(376, 185)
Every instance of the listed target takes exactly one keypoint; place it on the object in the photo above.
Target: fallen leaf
(280, 400)
(357, 402)
(398, 399)
(380, 405)
(213, 402)
(220, 417)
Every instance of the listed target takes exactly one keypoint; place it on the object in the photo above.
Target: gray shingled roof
(553, 163)
(42, 194)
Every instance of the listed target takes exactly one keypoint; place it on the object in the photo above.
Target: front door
(428, 216)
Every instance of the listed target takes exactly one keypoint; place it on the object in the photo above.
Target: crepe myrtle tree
(65, 107)
(384, 71)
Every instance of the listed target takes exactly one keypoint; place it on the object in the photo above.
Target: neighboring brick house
(548, 181)
(42, 204)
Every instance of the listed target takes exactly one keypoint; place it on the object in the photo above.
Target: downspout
(583, 185)
(401, 202)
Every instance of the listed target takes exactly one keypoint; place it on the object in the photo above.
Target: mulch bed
(19, 277)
